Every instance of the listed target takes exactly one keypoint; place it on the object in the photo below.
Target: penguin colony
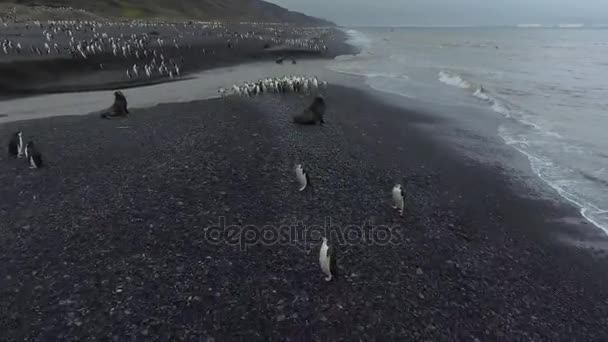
(145, 53)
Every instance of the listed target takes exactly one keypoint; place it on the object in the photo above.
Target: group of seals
(118, 108)
(313, 114)
(17, 150)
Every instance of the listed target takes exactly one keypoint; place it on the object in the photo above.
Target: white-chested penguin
(20, 145)
(302, 177)
(15, 144)
(328, 259)
(398, 198)
(34, 158)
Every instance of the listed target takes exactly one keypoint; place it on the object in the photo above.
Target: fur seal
(313, 114)
(119, 108)
(327, 260)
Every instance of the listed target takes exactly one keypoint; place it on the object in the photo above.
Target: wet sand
(203, 85)
(109, 241)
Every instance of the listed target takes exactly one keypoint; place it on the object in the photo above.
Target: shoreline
(126, 204)
(589, 207)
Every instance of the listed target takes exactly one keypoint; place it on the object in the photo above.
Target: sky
(452, 12)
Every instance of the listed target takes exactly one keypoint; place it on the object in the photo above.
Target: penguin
(302, 177)
(398, 198)
(14, 144)
(327, 260)
(27, 150)
(34, 157)
(20, 145)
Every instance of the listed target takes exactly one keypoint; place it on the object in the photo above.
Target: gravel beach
(115, 238)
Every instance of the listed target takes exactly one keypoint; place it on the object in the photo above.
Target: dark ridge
(229, 10)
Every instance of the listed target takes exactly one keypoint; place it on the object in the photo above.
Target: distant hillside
(234, 10)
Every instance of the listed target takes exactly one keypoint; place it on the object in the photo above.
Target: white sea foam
(547, 170)
(557, 179)
(453, 80)
(357, 39)
(571, 25)
(501, 109)
(481, 94)
(530, 25)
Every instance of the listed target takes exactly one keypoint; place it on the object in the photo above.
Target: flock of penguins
(311, 116)
(277, 85)
(147, 52)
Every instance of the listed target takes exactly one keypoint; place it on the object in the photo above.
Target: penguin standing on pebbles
(14, 145)
(327, 260)
(34, 157)
(398, 198)
(302, 177)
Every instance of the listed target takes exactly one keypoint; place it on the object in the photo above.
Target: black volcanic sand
(199, 48)
(108, 241)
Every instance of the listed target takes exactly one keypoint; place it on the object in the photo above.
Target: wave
(550, 173)
(357, 39)
(453, 80)
(556, 176)
(365, 73)
(522, 129)
(530, 26)
(481, 94)
(570, 25)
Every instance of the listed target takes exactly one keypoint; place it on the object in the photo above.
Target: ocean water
(547, 86)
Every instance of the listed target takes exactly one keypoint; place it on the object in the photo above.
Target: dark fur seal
(119, 108)
(313, 114)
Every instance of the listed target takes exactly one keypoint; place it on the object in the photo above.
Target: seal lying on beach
(313, 114)
(119, 108)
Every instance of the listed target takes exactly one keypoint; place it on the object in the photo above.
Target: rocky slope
(233, 10)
